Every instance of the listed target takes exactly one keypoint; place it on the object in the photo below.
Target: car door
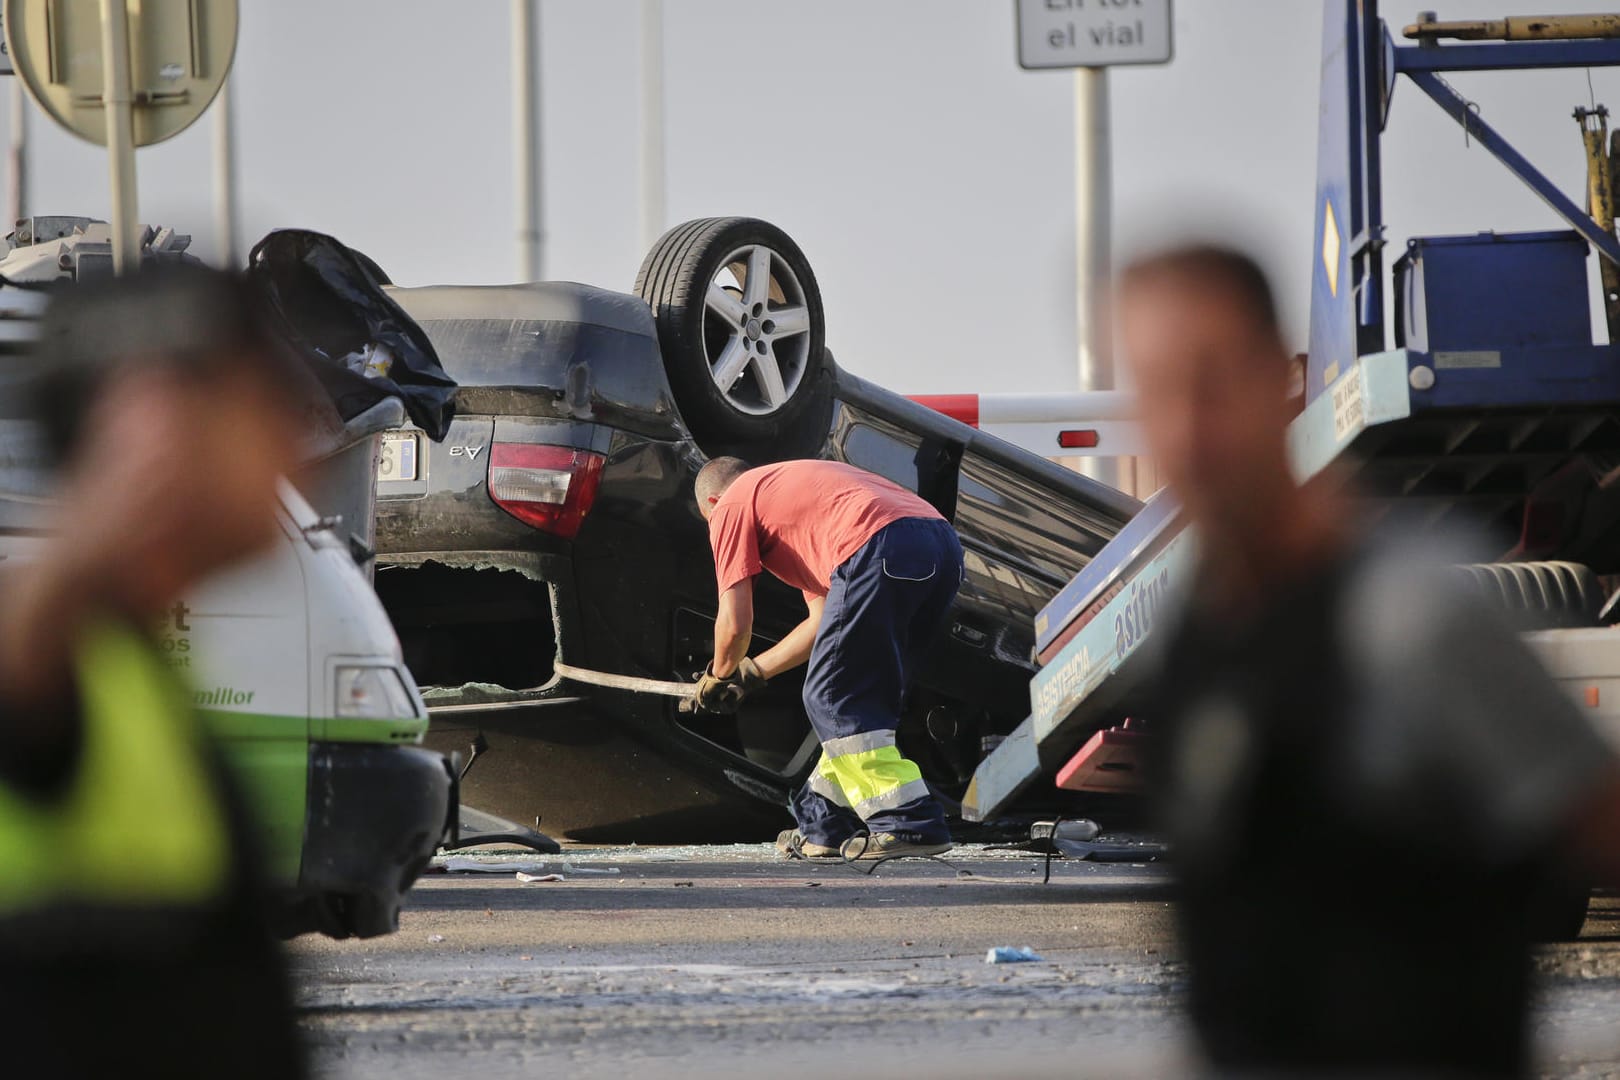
(1026, 529)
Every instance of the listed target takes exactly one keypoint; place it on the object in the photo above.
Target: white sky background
(928, 178)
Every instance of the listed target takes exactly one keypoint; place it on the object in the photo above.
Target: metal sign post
(1093, 210)
(122, 74)
(652, 122)
(526, 174)
(118, 104)
(227, 244)
(1091, 36)
(17, 196)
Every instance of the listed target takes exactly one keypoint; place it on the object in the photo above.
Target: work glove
(714, 694)
(748, 679)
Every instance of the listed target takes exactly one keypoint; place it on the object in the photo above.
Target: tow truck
(1494, 406)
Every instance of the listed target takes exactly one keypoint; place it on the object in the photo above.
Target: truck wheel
(739, 324)
(1537, 595)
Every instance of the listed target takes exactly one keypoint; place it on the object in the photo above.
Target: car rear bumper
(376, 815)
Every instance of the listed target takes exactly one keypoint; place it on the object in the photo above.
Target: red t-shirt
(801, 519)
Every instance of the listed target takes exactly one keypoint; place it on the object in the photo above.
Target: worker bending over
(878, 567)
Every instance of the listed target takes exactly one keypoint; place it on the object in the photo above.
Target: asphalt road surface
(726, 961)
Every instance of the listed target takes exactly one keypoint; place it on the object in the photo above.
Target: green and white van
(297, 671)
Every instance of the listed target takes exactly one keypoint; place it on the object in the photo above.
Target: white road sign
(1093, 33)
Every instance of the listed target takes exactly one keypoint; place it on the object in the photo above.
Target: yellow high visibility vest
(141, 823)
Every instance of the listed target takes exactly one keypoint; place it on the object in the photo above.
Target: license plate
(399, 456)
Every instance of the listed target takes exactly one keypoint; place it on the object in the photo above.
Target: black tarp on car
(330, 304)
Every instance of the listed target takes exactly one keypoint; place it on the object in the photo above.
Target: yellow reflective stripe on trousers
(873, 780)
(140, 823)
(823, 784)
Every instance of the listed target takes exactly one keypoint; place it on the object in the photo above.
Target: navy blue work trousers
(884, 606)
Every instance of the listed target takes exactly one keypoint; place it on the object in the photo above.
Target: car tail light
(549, 487)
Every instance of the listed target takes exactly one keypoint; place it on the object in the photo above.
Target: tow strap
(625, 682)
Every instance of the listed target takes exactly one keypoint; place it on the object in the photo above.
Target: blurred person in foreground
(1368, 784)
(132, 938)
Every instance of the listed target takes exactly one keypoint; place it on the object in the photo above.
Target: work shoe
(870, 847)
(791, 842)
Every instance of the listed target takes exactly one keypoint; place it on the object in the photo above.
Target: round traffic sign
(179, 54)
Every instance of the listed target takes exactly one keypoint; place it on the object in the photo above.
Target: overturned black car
(556, 523)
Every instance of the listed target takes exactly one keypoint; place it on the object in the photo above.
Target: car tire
(740, 327)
